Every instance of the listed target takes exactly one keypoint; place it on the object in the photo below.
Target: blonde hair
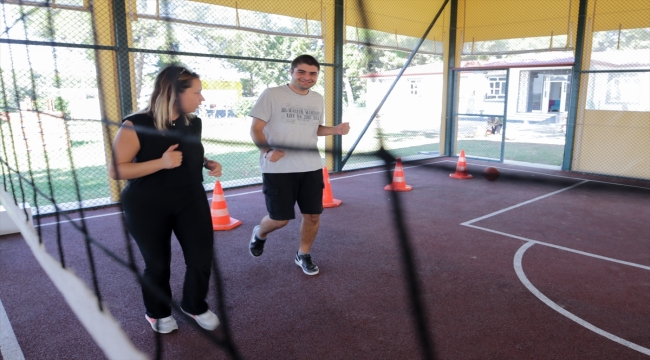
(169, 84)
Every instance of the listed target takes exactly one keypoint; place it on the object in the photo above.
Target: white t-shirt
(292, 120)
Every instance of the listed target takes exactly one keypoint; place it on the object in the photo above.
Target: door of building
(480, 113)
(554, 95)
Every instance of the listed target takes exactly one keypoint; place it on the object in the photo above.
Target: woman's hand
(171, 158)
(214, 167)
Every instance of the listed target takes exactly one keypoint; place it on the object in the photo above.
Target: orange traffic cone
(461, 168)
(328, 198)
(399, 182)
(221, 219)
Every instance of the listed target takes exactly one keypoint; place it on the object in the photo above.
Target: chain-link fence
(72, 69)
(612, 133)
(516, 98)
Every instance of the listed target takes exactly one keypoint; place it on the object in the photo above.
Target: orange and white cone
(328, 198)
(221, 219)
(399, 181)
(461, 168)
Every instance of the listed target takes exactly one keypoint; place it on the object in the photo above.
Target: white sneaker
(164, 325)
(208, 320)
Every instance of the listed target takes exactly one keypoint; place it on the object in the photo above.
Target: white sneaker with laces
(163, 325)
(208, 320)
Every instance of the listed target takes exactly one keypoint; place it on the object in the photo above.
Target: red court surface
(539, 264)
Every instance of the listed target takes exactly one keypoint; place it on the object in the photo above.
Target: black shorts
(283, 190)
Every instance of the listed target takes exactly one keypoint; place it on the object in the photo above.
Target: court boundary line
(528, 244)
(567, 249)
(519, 270)
(561, 176)
(531, 288)
(229, 195)
(469, 223)
(369, 173)
(9, 347)
(523, 203)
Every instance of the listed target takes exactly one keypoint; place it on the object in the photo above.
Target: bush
(62, 105)
(243, 106)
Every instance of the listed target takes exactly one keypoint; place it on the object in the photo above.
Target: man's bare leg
(268, 225)
(308, 231)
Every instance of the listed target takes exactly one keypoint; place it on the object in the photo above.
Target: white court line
(77, 219)
(537, 293)
(209, 199)
(9, 347)
(469, 224)
(119, 212)
(382, 171)
(644, 267)
(522, 277)
(560, 176)
(369, 173)
(523, 203)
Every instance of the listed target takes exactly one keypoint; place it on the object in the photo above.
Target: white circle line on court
(596, 256)
(524, 280)
(470, 222)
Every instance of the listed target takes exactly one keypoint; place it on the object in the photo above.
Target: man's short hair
(305, 59)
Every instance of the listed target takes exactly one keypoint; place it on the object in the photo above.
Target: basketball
(491, 173)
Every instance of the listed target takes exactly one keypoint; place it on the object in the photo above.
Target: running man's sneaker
(308, 267)
(256, 246)
(208, 320)
(164, 325)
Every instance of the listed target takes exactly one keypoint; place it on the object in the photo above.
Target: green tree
(266, 73)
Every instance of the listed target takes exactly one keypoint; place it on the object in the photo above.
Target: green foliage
(243, 106)
(629, 39)
(61, 104)
(266, 73)
(221, 85)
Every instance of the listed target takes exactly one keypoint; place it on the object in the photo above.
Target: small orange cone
(328, 199)
(461, 168)
(221, 219)
(399, 182)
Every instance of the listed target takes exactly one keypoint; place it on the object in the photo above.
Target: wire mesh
(480, 113)
(615, 124)
(72, 69)
(408, 123)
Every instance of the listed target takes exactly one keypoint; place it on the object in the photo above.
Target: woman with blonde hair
(159, 151)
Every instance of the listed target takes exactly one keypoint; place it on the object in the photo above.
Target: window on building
(623, 88)
(497, 88)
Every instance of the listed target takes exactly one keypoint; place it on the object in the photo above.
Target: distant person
(212, 111)
(490, 125)
(287, 118)
(498, 124)
(159, 151)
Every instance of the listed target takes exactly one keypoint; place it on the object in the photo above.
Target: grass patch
(94, 181)
(93, 184)
(535, 153)
(547, 154)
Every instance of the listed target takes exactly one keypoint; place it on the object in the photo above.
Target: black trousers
(151, 217)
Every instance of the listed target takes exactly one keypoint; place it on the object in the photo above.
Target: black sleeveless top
(153, 143)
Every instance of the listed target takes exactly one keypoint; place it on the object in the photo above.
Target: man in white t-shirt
(287, 121)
